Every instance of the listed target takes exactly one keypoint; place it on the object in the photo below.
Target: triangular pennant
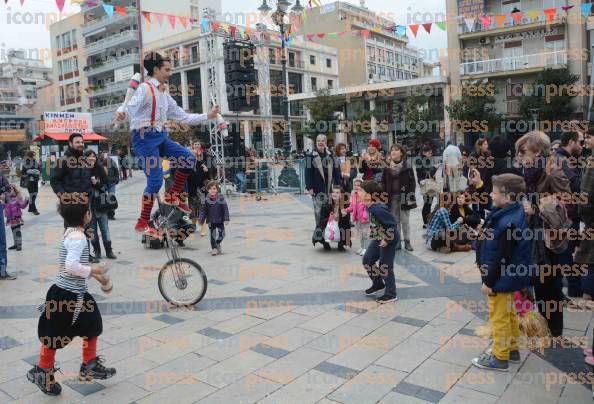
(427, 27)
(204, 25)
(215, 26)
(233, 31)
(121, 10)
(60, 4)
(341, 33)
(183, 21)
(172, 19)
(146, 14)
(332, 34)
(414, 28)
(517, 16)
(533, 14)
(500, 20)
(108, 10)
(567, 8)
(586, 8)
(310, 37)
(401, 29)
(441, 25)
(486, 20)
(470, 23)
(22, 1)
(240, 32)
(159, 18)
(551, 13)
(365, 33)
(321, 35)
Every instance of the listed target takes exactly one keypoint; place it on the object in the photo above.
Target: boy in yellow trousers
(503, 257)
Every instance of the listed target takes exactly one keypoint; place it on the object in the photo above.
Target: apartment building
(20, 80)
(310, 67)
(511, 55)
(112, 47)
(382, 56)
(70, 89)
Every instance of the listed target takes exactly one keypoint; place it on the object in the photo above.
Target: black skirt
(56, 330)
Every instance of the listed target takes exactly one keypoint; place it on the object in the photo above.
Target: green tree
(556, 105)
(322, 109)
(472, 109)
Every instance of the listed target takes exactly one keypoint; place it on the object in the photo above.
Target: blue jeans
(103, 224)
(382, 275)
(3, 254)
(242, 181)
(217, 234)
(150, 146)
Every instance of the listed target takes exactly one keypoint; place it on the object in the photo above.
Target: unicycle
(182, 282)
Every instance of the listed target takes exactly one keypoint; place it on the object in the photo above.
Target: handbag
(24, 181)
(430, 187)
(332, 231)
(104, 201)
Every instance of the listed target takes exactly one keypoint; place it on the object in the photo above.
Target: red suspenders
(154, 111)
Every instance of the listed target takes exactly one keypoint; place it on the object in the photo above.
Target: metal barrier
(267, 176)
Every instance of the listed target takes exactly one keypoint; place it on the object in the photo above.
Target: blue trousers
(150, 146)
(3, 254)
(382, 275)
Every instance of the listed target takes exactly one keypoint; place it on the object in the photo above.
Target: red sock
(89, 349)
(178, 182)
(147, 206)
(47, 358)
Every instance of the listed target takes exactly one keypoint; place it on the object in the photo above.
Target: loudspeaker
(240, 74)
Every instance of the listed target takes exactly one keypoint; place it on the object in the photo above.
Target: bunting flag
(586, 9)
(486, 20)
(567, 8)
(414, 28)
(533, 14)
(517, 16)
(204, 25)
(500, 20)
(402, 29)
(341, 33)
(551, 13)
(321, 35)
(159, 18)
(310, 37)
(121, 10)
(183, 21)
(470, 23)
(233, 31)
(108, 9)
(172, 20)
(59, 3)
(215, 26)
(147, 16)
(365, 33)
(427, 27)
(22, 1)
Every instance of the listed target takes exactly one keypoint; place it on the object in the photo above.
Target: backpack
(555, 220)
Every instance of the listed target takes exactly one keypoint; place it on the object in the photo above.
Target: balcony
(112, 41)
(520, 64)
(100, 23)
(109, 88)
(103, 117)
(512, 107)
(510, 25)
(112, 63)
(9, 100)
(297, 64)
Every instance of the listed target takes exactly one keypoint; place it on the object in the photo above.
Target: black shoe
(14, 247)
(7, 277)
(95, 370)
(44, 379)
(341, 248)
(386, 299)
(327, 246)
(407, 246)
(372, 290)
(36, 213)
(398, 246)
(19, 248)
(93, 259)
(180, 243)
(109, 254)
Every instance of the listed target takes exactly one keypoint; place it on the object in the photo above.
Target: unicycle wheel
(182, 282)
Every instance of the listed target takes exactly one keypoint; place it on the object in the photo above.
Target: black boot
(44, 379)
(96, 252)
(95, 370)
(108, 251)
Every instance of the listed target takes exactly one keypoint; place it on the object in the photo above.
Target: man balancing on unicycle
(148, 110)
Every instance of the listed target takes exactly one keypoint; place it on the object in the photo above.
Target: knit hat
(375, 143)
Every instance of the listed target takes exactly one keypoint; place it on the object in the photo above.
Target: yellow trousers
(504, 322)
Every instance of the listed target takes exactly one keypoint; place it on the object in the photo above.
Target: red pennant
(428, 27)
(310, 37)
(22, 1)
(414, 28)
(233, 30)
(59, 3)
(517, 16)
(550, 13)
(183, 21)
(215, 26)
(172, 20)
(365, 33)
(321, 35)
(567, 8)
(486, 20)
(341, 33)
(121, 10)
(147, 16)
(159, 18)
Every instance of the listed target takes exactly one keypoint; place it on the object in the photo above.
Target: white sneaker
(363, 252)
(359, 251)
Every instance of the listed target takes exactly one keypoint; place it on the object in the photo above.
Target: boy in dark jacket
(382, 247)
(215, 210)
(503, 256)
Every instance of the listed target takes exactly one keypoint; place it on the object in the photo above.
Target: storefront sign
(471, 7)
(537, 33)
(67, 122)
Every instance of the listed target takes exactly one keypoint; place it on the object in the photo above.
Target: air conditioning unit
(485, 41)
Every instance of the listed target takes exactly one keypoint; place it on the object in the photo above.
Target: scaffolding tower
(263, 65)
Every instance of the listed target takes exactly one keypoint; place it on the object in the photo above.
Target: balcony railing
(113, 40)
(297, 64)
(113, 63)
(549, 59)
(98, 23)
(509, 22)
(9, 99)
(109, 88)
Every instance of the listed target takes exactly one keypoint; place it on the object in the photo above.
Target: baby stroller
(181, 227)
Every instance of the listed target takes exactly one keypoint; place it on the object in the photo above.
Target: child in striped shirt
(69, 310)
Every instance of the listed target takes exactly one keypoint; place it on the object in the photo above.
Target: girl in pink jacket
(359, 216)
(14, 217)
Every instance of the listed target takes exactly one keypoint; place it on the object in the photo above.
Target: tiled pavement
(281, 323)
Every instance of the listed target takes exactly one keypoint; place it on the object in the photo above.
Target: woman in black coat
(398, 180)
(32, 171)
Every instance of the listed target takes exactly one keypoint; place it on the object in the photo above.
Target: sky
(27, 27)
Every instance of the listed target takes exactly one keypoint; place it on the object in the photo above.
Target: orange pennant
(183, 21)
(517, 16)
(414, 28)
(121, 10)
(500, 20)
(551, 13)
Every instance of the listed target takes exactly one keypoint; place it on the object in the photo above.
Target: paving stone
(397, 398)
(461, 395)
(461, 349)
(467, 331)
(280, 324)
(273, 352)
(351, 309)
(368, 386)
(309, 388)
(326, 322)
(216, 282)
(410, 321)
(233, 369)
(166, 318)
(436, 375)
(214, 333)
(486, 381)
(244, 391)
(247, 258)
(575, 393)
(255, 290)
(293, 365)
(85, 388)
(338, 339)
(423, 393)
(187, 390)
(408, 355)
(292, 339)
(18, 387)
(439, 330)
(336, 370)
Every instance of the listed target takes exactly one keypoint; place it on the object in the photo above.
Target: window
(372, 69)
(66, 40)
(312, 60)
(194, 54)
(328, 63)
(61, 94)
(292, 59)
(382, 70)
(60, 70)
(75, 63)
(391, 73)
(73, 37)
(58, 45)
(406, 60)
(272, 55)
(330, 83)
(371, 53)
(399, 74)
(314, 84)
(390, 56)
(398, 58)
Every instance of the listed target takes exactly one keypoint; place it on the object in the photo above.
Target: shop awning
(63, 137)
